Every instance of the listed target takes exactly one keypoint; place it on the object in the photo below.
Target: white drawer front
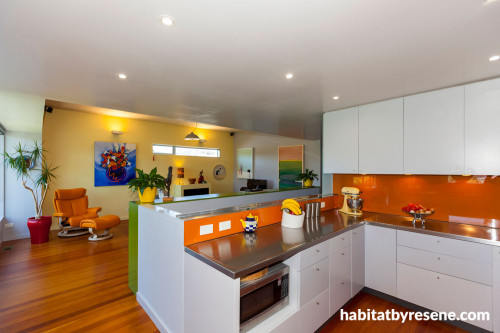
(451, 247)
(339, 242)
(440, 292)
(312, 255)
(313, 280)
(315, 313)
(340, 279)
(462, 268)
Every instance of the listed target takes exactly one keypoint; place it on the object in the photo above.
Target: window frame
(174, 150)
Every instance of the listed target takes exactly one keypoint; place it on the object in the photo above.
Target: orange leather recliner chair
(72, 206)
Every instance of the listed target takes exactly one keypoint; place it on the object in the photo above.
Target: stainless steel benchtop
(241, 254)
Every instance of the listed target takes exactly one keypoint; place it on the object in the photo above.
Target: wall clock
(219, 172)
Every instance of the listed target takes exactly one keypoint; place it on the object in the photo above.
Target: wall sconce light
(180, 172)
(117, 132)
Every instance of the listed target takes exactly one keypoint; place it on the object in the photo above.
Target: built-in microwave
(264, 296)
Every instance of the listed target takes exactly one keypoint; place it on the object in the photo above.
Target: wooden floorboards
(69, 285)
(74, 285)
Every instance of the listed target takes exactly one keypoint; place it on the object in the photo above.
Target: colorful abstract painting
(291, 164)
(114, 163)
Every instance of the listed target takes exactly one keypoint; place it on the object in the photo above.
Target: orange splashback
(467, 199)
(267, 216)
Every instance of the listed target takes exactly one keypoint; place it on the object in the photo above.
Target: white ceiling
(223, 62)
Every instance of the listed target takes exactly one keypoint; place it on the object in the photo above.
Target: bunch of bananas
(292, 206)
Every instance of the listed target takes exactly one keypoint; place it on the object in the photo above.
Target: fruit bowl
(419, 216)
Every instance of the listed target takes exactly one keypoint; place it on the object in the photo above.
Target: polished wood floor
(69, 285)
(74, 285)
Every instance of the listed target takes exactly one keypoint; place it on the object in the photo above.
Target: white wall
(22, 117)
(265, 156)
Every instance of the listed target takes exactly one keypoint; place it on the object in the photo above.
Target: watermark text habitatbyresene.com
(393, 315)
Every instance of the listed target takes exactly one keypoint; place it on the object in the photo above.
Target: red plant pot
(39, 229)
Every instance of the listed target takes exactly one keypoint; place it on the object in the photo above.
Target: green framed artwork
(291, 164)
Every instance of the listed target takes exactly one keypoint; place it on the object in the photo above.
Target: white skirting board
(151, 313)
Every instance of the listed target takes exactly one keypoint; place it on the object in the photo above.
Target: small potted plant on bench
(146, 184)
(308, 177)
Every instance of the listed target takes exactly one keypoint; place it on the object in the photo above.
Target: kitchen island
(204, 203)
(333, 257)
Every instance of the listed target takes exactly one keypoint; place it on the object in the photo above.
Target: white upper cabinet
(434, 132)
(381, 137)
(340, 141)
(482, 128)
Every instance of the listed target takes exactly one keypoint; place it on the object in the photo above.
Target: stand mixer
(352, 202)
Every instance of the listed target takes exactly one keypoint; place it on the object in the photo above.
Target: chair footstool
(100, 223)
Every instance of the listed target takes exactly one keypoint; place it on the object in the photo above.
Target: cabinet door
(315, 313)
(444, 293)
(340, 279)
(380, 259)
(340, 141)
(482, 124)
(496, 289)
(381, 137)
(358, 260)
(434, 132)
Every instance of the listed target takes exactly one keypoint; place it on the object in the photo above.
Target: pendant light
(191, 136)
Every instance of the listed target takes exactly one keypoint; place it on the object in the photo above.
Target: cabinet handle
(317, 269)
(342, 253)
(438, 241)
(317, 303)
(439, 258)
(317, 250)
(342, 283)
(438, 277)
(342, 238)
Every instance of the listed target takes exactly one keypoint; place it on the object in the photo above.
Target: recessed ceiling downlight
(122, 76)
(495, 58)
(288, 76)
(335, 97)
(167, 21)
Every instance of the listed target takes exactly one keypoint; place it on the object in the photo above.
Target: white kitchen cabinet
(313, 255)
(471, 270)
(434, 132)
(381, 137)
(340, 141)
(482, 123)
(496, 288)
(358, 260)
(440, 292)
(340, 279)
(313, 281)
(315, 313)
(380, 259)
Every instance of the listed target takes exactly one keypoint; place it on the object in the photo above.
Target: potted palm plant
(31, 167)
(146, 184)
(308, 177)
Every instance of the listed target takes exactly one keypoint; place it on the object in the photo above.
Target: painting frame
(290, 165)
(114, 163)
(244, 163)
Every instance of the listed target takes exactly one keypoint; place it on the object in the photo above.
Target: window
(185, 151)
(163, 149)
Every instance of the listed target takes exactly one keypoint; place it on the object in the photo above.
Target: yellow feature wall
(69, 136)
